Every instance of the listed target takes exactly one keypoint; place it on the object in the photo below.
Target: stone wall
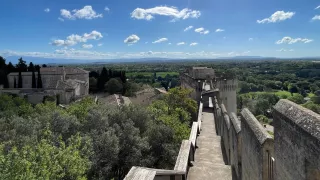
(227, 93)
(297, 142)
(235, 145)
(225, 132)
(256, 143)
(191, 83)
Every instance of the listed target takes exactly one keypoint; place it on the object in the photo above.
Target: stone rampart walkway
(209, 163)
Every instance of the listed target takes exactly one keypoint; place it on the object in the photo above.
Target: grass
(162, 74)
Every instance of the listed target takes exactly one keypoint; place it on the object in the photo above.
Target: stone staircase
(209, 161)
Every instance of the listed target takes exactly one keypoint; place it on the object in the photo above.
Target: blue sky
(100, 29)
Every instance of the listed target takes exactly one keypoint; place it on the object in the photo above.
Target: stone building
(195, 77)
(66, 83)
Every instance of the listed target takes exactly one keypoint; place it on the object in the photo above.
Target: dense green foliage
(88, 140)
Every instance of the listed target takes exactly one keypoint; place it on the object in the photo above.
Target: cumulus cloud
(250, 39)
(160, 40)
(74, 39)
(106, 9)
(87, 46)
(316, 17)
(193, 44)
(131, 39)
(60, 19)
(219, 30)
(289, 40)
(47, 10)
(169, 43)
(85, 13)
(175, 13)
(277, 17)
(100, 44)
(318, 7)
(181, 43)
(188, 28)
(201, 31)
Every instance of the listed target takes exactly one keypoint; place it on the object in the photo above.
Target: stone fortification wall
(202, 73)
(225, 132)
(227, 90)
(235, 144)
(256, 143)
(297, 142)
(191, 83)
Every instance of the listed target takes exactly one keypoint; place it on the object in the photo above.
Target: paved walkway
(209, 163)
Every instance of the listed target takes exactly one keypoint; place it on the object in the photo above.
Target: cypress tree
(14, 83)
(39, 83)
(34, 85)
(6, 82)
(20, 80)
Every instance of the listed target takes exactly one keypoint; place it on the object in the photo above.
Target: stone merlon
(304, 118)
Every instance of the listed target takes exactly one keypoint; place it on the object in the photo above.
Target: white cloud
(160, 40)
(100, 44)
(106, 9)
(201, 31)
(85, 13)
(277, 17)
(230, 53)
(188, 28)
(246, 52)
(181, 43)
(74, 39)
(219, 30)
(316, 17)
(317, 7)
(193, 44)
(289, 40)
(146, 42)
(87, 46)
(131, 39)
(148, 14)
(169, 43)
(60, 19)
(58, 42)
(285, 50)
(250, 39)
(47, 10)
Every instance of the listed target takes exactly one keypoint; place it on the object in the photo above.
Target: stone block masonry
(297, 142)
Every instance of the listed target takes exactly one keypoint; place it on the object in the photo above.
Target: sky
(105, 29)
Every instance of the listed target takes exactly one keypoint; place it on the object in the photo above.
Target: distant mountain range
(54, 61)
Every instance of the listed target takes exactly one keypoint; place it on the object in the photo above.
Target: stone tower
(195, 78)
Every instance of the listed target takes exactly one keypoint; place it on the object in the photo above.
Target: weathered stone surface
(209, 163)
(236, 123)
(297, 142)
(137, 173)
(235, 144)
(194, 134)
(256, 142)
(183, 156)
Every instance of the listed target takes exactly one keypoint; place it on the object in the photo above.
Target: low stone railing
(183, 162)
